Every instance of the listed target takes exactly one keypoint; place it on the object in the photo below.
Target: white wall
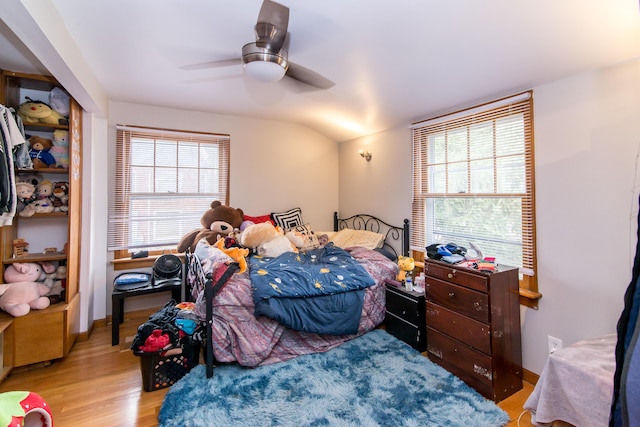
(587, 140)
(275, 166)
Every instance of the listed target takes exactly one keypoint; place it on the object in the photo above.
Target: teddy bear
(267, 240)
(218, 221)
(34, 111)
(60, 197)
(40, 152)
(60, 149)
(406, 265)
(23, 291)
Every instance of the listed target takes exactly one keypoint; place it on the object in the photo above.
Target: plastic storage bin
(163, 371)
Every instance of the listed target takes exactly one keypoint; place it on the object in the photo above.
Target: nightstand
(405, 316)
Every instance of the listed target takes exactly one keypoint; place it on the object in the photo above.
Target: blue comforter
(318, 291)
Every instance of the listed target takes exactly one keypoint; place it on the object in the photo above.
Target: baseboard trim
(529, 376)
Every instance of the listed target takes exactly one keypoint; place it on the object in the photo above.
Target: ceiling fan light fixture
(264, 65)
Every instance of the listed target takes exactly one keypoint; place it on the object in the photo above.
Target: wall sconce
(365, 154)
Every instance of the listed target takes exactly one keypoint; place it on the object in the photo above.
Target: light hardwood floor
(97, 384)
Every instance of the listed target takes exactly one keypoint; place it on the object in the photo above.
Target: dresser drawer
(477, 281)
(462, 328)
(465, 301)
(469, 365)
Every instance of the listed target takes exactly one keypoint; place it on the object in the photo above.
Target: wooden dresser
(473, 326)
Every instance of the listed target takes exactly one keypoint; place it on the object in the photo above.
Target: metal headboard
(395, 236)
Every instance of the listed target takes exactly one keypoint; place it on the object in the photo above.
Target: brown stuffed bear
(217, 222)
(39, 152)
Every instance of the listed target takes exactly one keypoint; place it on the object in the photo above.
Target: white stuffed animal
(266, 240)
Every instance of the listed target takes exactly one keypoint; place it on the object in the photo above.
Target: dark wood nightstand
(405, 316)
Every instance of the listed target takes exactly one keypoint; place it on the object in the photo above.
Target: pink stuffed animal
(23, 292)
(19, 298)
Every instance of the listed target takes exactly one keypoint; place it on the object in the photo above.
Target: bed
(226, 300)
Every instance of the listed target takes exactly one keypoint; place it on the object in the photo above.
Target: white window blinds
(164, 181)
(473, 181)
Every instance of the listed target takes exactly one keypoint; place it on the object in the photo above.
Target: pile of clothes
(168, 330)
(459, 255)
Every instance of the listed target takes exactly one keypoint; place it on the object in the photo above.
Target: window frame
(521, 103)
(121, 181)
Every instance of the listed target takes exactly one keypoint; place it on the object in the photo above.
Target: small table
(405, 315)
(117, 304)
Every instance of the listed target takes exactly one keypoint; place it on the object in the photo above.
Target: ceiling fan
(266, 59)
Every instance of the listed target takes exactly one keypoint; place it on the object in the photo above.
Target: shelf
(44, 215)
(43, 127)
(63, 171)
(54, 256)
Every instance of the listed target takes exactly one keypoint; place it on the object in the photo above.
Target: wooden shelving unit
(48, 334)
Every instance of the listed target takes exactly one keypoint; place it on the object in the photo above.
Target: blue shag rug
(373, 380)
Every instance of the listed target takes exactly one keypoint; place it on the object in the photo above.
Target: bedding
(319, 291)
(247, 330)
(244, 332)
(238, 335)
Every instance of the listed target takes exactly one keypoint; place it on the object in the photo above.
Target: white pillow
(347, 237)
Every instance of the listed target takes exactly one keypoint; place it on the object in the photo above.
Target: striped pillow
(289, 219)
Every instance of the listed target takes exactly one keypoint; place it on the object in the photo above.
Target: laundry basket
(160, 371)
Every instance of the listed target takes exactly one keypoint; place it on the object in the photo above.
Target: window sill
(133, 263)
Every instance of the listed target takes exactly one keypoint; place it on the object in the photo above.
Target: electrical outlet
(555, 344)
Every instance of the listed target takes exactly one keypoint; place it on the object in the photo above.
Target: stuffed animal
(60, 149)
(235, 253)
(19, 298)
(217, 222)
(34, 111)
(60, 197)
(406, 266)
(59, 101)
(23, 272)
(43, 206)
(25, 192)
(23, 291)
(44, 202)
(40, 152)
(56, 292)
(266, 240)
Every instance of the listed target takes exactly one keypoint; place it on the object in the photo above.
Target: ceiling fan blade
(305, 75)
(213, 64)
(271, 28)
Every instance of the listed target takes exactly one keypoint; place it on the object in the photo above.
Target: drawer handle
(452, 294)
(450, 275)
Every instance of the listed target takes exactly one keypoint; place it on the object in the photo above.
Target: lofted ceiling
(392, 62)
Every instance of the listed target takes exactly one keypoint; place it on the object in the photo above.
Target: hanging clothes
(10, 137)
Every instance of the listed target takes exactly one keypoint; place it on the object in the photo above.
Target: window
(164, 181)
(473, 181)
